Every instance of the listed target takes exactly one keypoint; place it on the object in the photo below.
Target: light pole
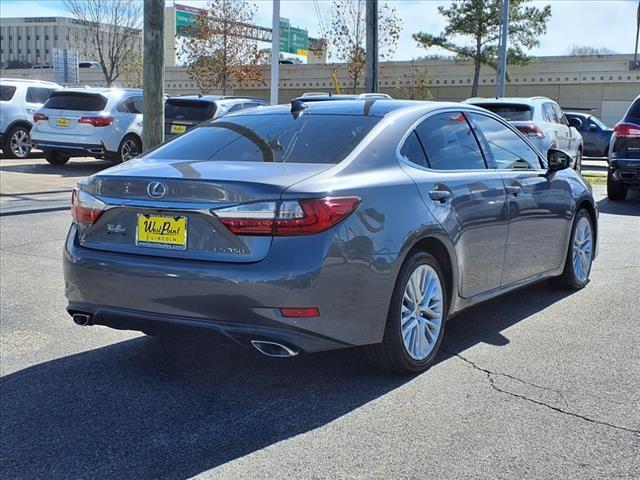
(153, 74)
(502, 53)
(371, 59)
(275, 52)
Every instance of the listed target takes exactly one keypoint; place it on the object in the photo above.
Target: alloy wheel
(582, 249)
(129, 149)
(421, 312)
(20, 143)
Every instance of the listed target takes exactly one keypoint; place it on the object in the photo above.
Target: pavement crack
(491, 375)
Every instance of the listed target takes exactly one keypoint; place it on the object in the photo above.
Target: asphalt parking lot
(537, 384)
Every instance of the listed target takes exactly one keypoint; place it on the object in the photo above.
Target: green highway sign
(293, 40)
(186, 17)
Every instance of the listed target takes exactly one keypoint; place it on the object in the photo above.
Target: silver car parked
(327, 225)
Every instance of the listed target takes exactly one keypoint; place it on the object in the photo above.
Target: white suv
(89, 122)
(541, 120)
(18, 100)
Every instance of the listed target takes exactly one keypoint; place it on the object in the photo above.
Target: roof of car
(373, 107)
(28, 80)
(215, 98)
(104, 90)
(478, 100)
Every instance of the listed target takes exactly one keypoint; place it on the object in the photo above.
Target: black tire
(391, 354)
(616, 191)
(130, 147)
(55, 158)
(569, 279)
(13, 145)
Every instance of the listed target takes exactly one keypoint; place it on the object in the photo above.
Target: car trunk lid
(181, 195)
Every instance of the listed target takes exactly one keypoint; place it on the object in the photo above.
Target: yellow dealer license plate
(160, 231)
(178, 128)
(63, 122)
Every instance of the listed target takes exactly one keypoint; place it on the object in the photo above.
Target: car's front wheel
(415, 322)
(616, 191)
(55, 158)
(17, 143)
(580, 255)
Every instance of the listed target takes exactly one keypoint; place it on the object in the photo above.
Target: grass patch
(595, 179)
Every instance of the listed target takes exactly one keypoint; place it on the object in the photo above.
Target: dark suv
(624, 154)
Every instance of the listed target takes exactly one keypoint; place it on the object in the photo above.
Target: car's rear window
(271, 138)
(510, 112)
(76, 101)
(633, 115)
(6, 92)
(190, 110)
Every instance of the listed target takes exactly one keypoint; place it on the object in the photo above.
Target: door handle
(514, 190)
(440, 195)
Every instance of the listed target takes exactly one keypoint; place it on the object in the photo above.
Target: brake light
(628, 130)
(531, 130)
(39, 116)
(300, 312)
(96, 121)
(85, 207)
(291, 217)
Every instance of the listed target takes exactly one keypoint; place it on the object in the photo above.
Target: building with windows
(31, 40)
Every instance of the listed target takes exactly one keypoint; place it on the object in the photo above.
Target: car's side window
(508, 150)
(38, 94)
(413, 151)
(236, 107)
(551, 113)
(449, 143)
(131, 105)
(138, 104)
(561, 118)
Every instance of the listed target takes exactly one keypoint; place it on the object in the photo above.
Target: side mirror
(575, 122)
(593, 128)
(558, 160)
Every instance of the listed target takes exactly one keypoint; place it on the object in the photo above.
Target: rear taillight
(628, 130)
(85, 207)
(96, 121)
(291, 217)
(39, 116)
(531, 130)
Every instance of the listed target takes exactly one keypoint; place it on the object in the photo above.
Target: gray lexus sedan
(326, 225)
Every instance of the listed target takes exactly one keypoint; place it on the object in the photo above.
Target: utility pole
(371, 61)
(502, 54)
(635, 53)
(153, 74)
(275, 52)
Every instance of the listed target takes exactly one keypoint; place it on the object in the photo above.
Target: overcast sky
(597, 23)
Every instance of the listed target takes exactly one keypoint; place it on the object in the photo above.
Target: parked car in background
(19, 99)
(541, 120)
(595, 134)
(89, 64)
(90, 122)
(624, 154)
(327, 225)
(184, 112)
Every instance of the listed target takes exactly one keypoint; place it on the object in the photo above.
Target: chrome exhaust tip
(82, 319)
(273, 349)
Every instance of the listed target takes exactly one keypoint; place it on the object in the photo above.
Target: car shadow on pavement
(631, 206)
(71, 169)
(144, 409)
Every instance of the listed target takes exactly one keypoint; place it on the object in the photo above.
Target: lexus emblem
(156, 189)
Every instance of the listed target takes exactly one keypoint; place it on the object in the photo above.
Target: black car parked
(624, 154)
(595, 134)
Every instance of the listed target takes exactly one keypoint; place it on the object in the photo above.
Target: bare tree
(417, 82)
(112, 32)
(218, 51)
(348, 31)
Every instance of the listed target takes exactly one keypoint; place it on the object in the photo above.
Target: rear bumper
(626, 171)
(71, 149)
(237, 301)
